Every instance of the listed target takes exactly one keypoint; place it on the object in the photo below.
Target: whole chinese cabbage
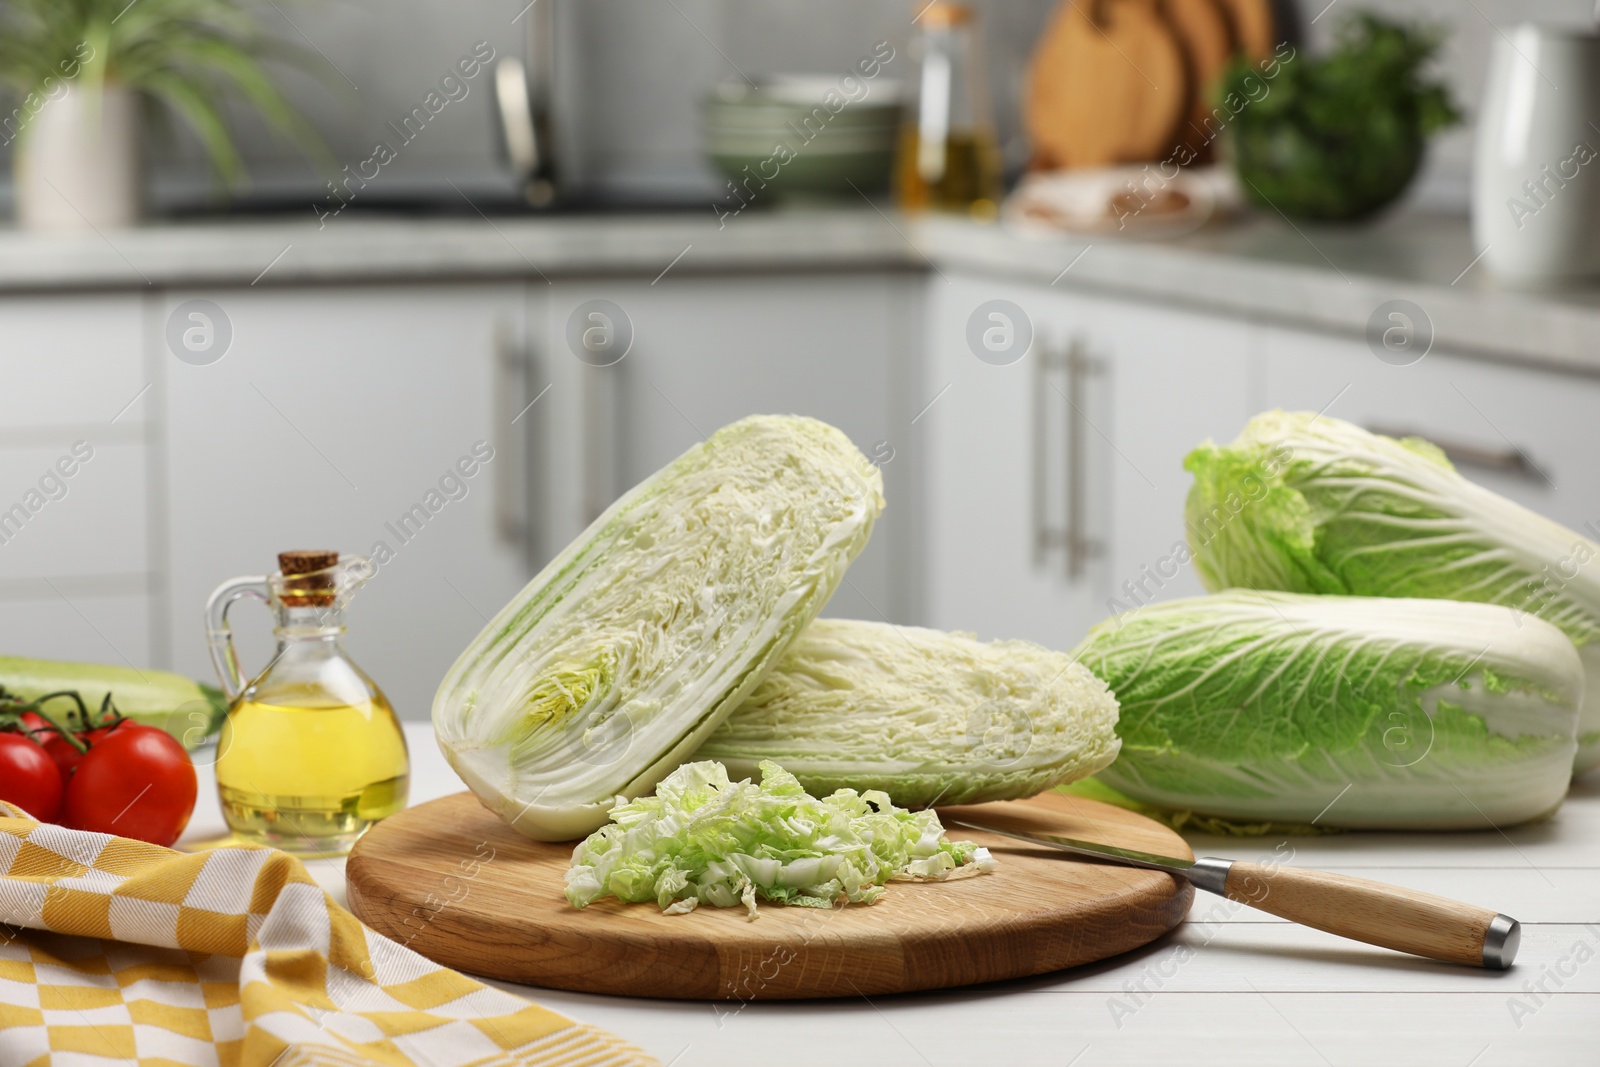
(1310, 504)
(613, 665)
(1361, 712)
(705, 839)
(922, 715)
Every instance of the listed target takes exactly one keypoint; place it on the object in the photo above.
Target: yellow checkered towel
(133, 953)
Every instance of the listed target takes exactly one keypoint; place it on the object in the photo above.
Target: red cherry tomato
(61, 750)
(136, 781)
(37, 725)
(68, 757)
(28, 778)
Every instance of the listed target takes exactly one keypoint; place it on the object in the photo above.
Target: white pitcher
(1536, 185)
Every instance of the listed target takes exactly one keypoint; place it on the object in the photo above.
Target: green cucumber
(183, 707)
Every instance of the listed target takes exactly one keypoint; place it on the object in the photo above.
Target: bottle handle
(219, 634)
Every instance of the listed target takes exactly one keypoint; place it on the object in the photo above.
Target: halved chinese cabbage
(613, 665)
(705, 839)
(923, 715)
(1360, 712)
(1310, 504)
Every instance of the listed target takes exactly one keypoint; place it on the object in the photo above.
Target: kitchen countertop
(1262, 268)
(1230, 987)
(1322, 278)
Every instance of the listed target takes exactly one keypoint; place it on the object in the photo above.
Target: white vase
(77, 162)
(1536, 182)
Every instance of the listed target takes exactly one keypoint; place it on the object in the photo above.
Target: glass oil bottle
(948, 158)
(311, 753)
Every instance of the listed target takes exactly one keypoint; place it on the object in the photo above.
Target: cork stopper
(316, 589)
(943, 16)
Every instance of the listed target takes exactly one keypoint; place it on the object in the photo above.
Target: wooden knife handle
(1386, 915)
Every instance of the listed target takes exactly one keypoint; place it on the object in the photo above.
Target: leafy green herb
(1340, 136)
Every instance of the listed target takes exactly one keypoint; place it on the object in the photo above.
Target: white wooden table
(1232, 986)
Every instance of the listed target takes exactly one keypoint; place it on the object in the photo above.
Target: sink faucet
(523, 96)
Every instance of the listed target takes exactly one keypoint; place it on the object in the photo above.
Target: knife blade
(1379, 914)
(1093, 850)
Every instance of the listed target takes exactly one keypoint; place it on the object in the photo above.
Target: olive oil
(948, 157)
(311, 753)
(310, 777)
(965, 172)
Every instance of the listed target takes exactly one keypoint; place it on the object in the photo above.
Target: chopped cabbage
(613, 665)
(925, 716)
(1360, 712)
(706, 839)
(1309, 504)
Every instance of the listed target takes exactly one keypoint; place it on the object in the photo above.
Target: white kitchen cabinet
(76, 555)
(336, 410)
(707, 351)
(62, 621)
(1026, 466)
(65, 507)
(1177, 378)
(336, 419)
(984, 452)
(69, 360)
(1527, 433)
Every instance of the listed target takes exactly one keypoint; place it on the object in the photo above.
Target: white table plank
(1279, 957)
(1570, 839)
(1019, 1027)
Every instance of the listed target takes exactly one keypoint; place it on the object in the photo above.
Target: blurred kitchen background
(282, 365)
(630, 74)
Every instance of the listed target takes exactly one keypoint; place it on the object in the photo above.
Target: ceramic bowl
(803, 138)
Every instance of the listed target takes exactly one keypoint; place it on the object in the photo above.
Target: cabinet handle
(1080, 547)
(1039, 520)
(515, 462)
(1510, 460)
(1073, 365)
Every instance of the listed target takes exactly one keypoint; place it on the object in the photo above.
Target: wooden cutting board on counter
(1128, 81)
(1255, 26)
(1106, 85)
(454, 883)
(1205, 32)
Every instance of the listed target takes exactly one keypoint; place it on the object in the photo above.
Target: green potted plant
(1341, 136)
(81, 72)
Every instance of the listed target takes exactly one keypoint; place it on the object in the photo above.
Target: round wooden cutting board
(453, 882)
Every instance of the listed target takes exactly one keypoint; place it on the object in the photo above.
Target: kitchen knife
(1386, 915)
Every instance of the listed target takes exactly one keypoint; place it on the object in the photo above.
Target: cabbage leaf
(706, 839)
(1360, 712)
(1310, 504)
(925, 716)
(618, 659)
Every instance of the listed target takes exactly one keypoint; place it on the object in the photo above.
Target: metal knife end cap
(1501, 941)
(1210, 874)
